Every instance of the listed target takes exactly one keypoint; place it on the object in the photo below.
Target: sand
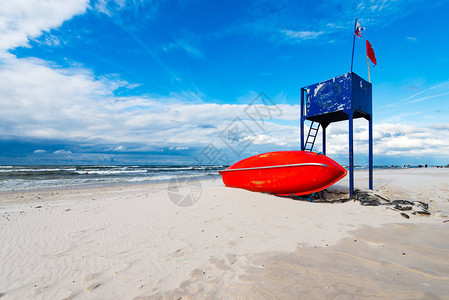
(133, 242)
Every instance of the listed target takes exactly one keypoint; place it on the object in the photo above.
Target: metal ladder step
(311, 136)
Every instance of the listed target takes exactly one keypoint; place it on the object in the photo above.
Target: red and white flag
(358, 29)
(370, 53)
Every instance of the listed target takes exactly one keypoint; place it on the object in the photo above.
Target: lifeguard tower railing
(345, 97)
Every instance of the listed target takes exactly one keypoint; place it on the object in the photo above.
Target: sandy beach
(133, 242)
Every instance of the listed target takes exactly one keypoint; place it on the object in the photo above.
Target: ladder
(311, 136)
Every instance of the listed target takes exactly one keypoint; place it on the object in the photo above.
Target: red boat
(284, 173)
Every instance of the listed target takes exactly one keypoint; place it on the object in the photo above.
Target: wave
(109, 172)
(23, 178)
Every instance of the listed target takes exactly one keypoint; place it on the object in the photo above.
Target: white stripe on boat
(278, 166)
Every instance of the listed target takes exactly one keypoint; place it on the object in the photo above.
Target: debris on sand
(369, 198)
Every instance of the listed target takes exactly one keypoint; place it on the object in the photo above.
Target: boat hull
(284, 173)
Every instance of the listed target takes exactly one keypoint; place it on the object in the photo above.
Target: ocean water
(23, 178)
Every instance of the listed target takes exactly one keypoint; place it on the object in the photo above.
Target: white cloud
(390, 139)
(50, 40)
(118, 148)
(436, 91)
(277, 21)
(107, 6)
(21, 21)
(133, 86)
(62, 152)
(110, 7)
(186, 46)
(41, 101)
(428, 97)
(302, 35)
(263, 139)
(40, 151)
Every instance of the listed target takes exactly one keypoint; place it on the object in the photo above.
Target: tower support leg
(301, 120)
(351, 152)
(324, 140)
(370, 152)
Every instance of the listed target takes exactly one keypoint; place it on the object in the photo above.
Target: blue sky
(100, 82)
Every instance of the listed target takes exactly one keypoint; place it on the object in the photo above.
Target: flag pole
(353, 43)
(367, 62)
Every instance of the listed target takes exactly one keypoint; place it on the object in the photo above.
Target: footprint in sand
(92, 281)
(92, 287)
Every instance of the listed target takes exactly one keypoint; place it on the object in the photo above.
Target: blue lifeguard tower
(345, 97)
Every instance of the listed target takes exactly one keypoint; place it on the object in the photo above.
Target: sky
(212, 82)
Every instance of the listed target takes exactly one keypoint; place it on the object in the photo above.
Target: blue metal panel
(347, 91)
(329, 96)
(361, 94)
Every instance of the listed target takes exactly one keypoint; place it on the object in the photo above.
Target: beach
(201, 240)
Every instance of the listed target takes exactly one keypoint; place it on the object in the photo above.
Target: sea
(30, 178)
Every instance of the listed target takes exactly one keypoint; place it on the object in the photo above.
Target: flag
(358, 29)
(370, 53)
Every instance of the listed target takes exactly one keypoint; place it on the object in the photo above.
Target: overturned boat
(284, 173)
